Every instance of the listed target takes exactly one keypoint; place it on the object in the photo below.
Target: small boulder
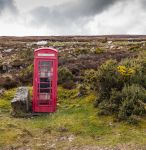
(110, 42)
(2, 91)
(20, 103)
(8, 50)
(39, 43)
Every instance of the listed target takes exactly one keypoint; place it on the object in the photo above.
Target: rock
(20, 103)
(62, 138)
(110, 42)
(52, 145)
(112, 47)
(2, 91)
(71, 138)
(4, 67)
(41, 43)
(7, 50)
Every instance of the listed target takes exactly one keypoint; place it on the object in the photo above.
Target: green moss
(30, 88)
(5, 100)
(99, 50)
(4, 104)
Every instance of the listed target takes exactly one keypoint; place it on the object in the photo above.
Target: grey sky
(72, 17)
(7, 5)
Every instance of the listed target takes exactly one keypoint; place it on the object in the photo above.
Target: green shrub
(133, 119)
(121, 88)
(136, 96)
(104, 40)
(66, 78)
(83, 90)
(26, 75)
(87, 82)
(99, 50)
(69, 84)
(130, 101)
(107, 78)
(135, 47)
(64, 74)
(27, 54)
(79, 51)
(89, 78)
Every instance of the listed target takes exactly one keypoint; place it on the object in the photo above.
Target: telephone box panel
(45, 80)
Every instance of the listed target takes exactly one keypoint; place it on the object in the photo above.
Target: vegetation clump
(26, 75)
(8, 83)
(89, 78)
(125, 71)
(87, 83)
(135, 47)
(66, 78)
(80, 51)
(121, 90)
(99, 50)
(83, 90)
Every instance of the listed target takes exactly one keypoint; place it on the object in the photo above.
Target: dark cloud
(72, 17)
(143, 3)
(7, 4)
(73, 13)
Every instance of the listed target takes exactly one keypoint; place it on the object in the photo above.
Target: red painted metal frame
(54, 59)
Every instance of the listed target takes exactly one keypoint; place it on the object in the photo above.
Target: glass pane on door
(45, 69)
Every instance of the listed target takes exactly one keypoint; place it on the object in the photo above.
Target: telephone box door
(45, 86)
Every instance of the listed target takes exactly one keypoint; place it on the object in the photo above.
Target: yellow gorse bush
(125, 71)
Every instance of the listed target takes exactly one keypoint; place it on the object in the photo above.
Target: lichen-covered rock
(20, 103)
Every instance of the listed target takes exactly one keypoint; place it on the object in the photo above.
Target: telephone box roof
(46, 48)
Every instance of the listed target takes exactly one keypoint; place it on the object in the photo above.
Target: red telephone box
(45, 80)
